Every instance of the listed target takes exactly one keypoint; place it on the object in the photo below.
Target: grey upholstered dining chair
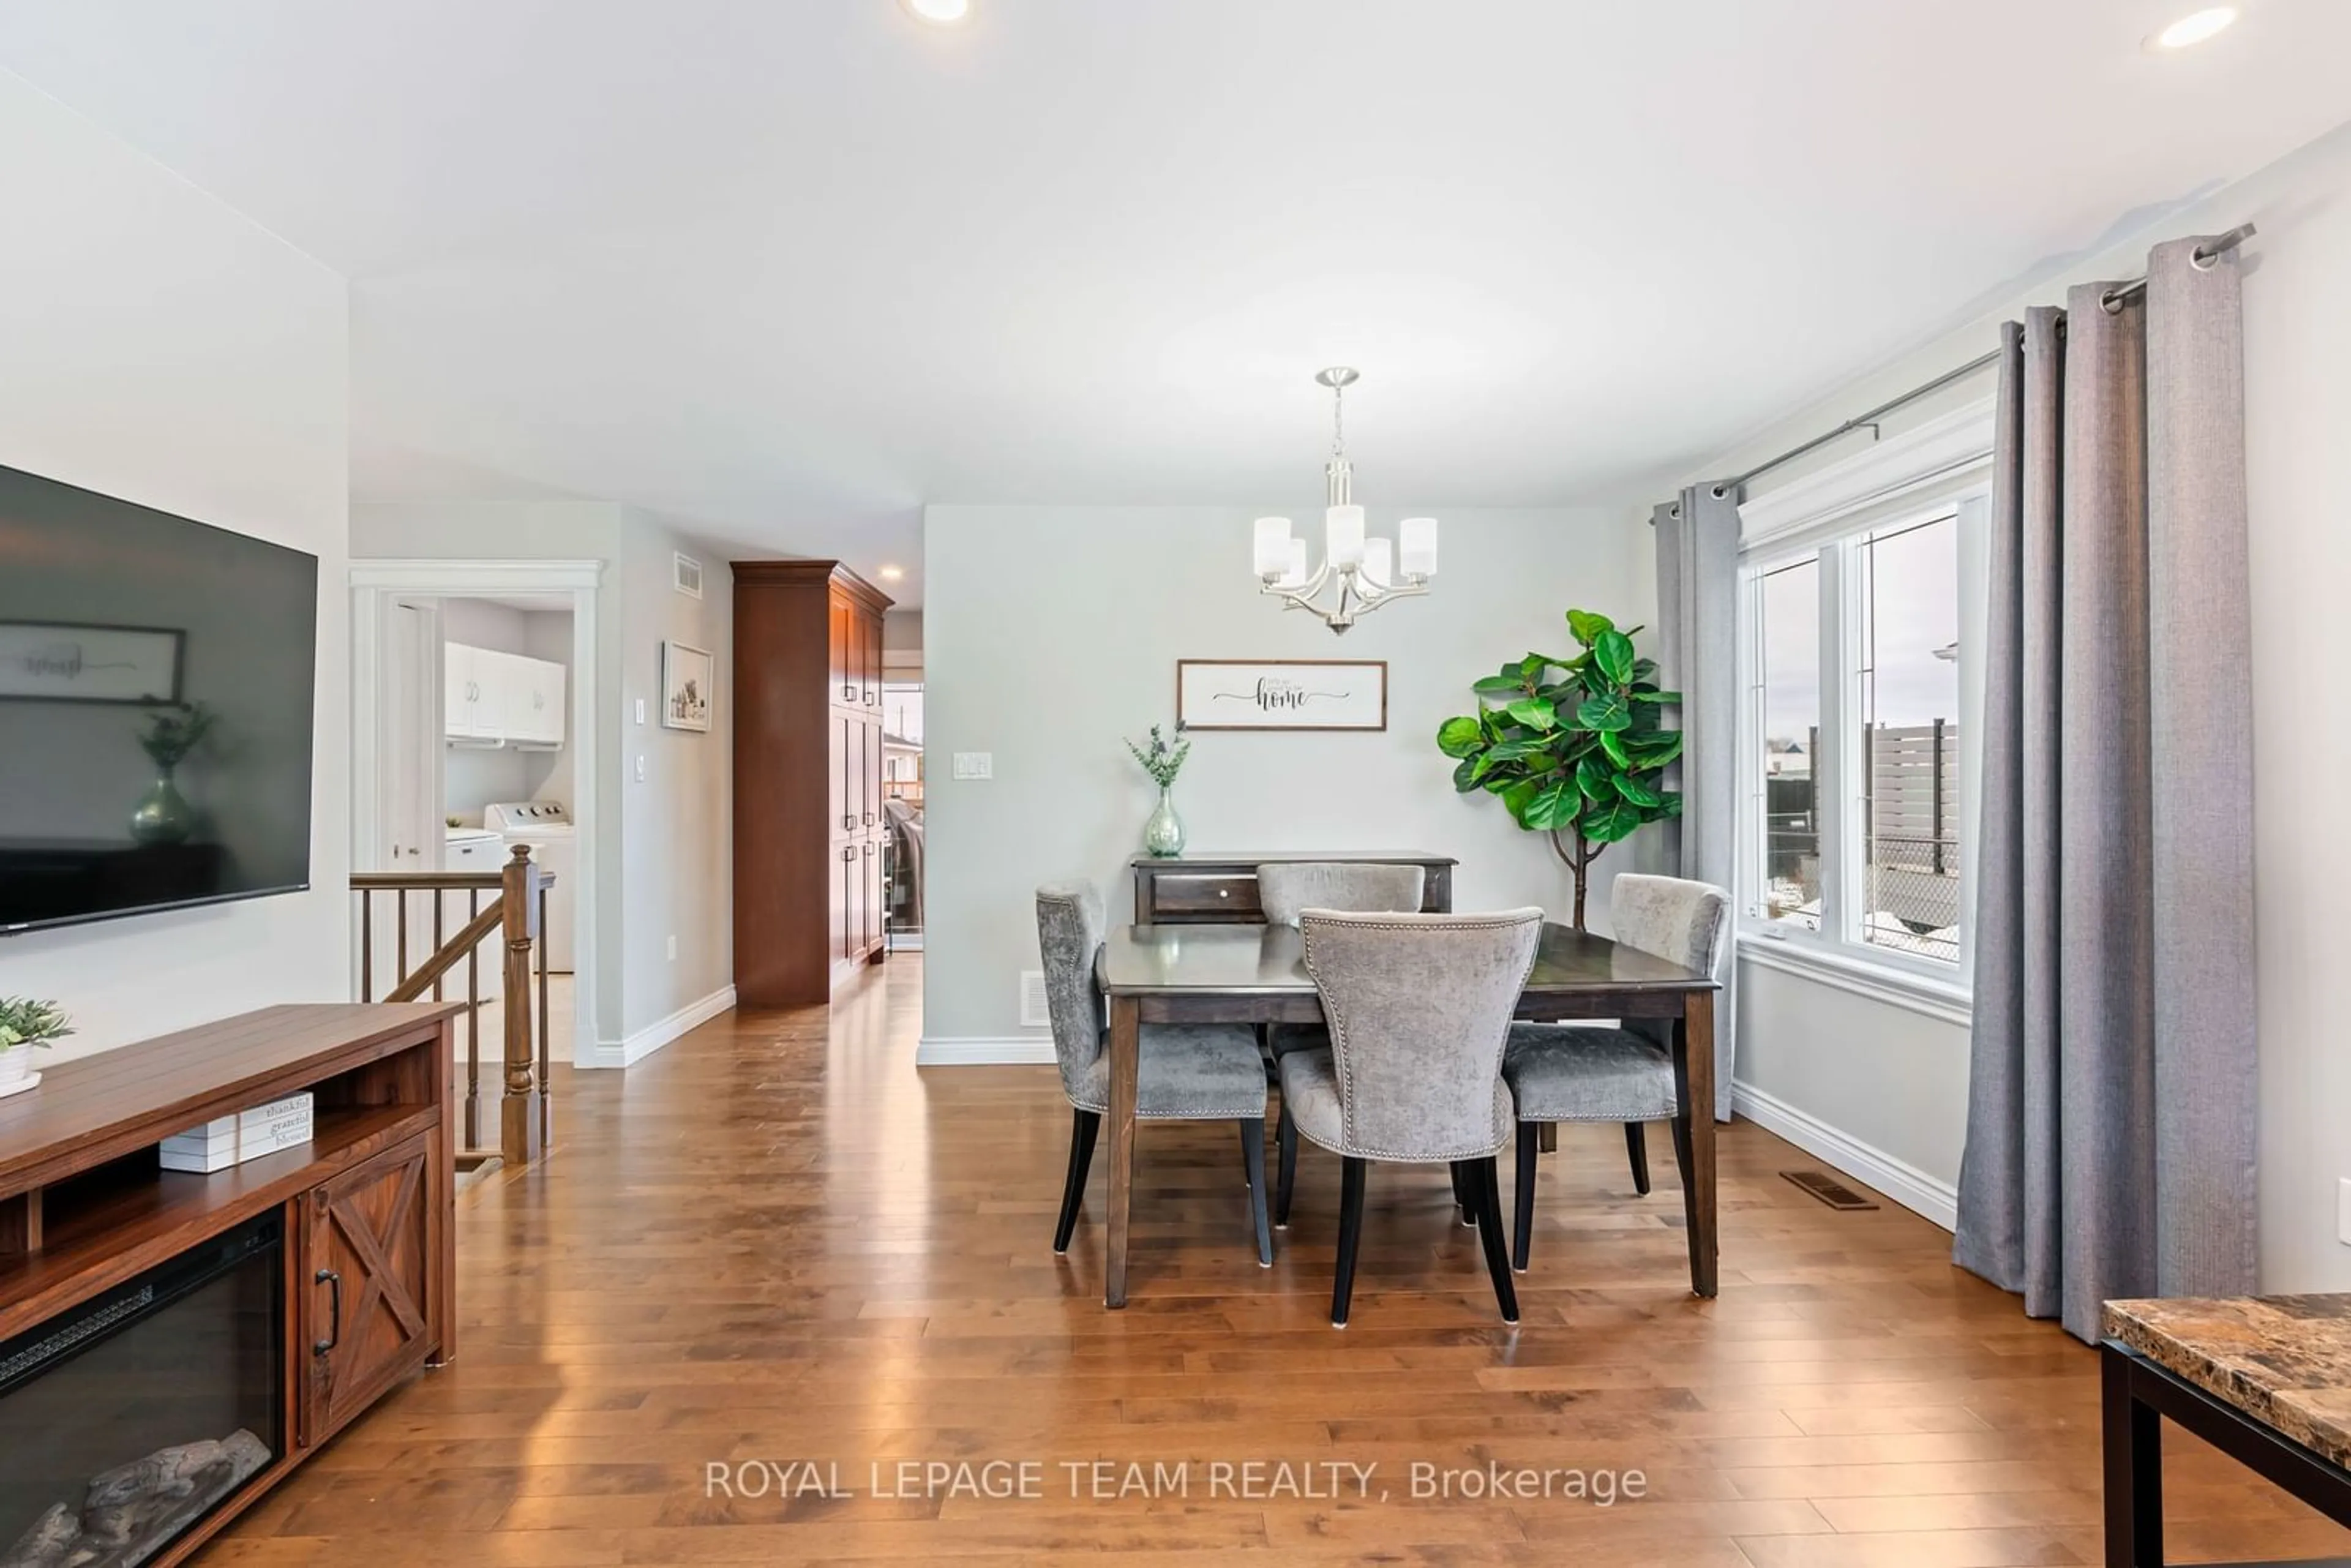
(1285, 889)
(1419, 1006)
(1186, 1072)
(1568, 1073)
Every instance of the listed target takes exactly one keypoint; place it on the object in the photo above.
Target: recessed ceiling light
(2194, 29)
(941, 11)
(892, 574)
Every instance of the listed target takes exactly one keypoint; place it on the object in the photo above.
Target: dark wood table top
(1289, 857)
(2284, 1361)
(1170, 960)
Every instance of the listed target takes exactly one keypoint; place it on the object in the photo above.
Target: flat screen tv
(155, 709)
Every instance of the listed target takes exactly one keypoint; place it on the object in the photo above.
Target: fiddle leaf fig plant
(1573, 745)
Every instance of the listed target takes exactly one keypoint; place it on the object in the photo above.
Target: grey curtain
(1697, 642)
(2111, 1116)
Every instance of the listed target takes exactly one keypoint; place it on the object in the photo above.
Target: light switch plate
(641, 768)
(2343, 1211)
(974, 765)
(641, 710)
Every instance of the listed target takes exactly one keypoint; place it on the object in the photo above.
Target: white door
(408, 763)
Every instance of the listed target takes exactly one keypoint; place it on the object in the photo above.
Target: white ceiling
(787, 270)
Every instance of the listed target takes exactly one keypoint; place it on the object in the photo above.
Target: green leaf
(1500, 688)
(1534, 713)
(1554, 807)
(1613, 742)
(1604, 712)
(1465, 776)
(1652, 754)
(1612, 824)
(1612, 652)
(1656, 697)
(1519, 749)
(1645, 669)
(1459, 737)
(1516, 795)
(1673, 805)
(1638, 793)
(1587, 626)
(1531, 669)
(1592, 776)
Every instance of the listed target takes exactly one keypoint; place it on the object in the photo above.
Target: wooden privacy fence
(517, 913)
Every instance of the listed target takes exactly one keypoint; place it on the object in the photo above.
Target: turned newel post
(518, 1109)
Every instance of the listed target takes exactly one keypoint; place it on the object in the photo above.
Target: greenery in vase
(27, 1022)
(1159, 760)
(174, 730)
(1572, 745)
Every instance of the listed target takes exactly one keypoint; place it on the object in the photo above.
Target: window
(1788, 602)
(1858, 773)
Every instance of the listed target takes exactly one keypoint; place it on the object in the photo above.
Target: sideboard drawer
(1221, 896)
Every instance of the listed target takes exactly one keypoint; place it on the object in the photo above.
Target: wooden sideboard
(1221, 890)
(809, 824)
(366, 1235)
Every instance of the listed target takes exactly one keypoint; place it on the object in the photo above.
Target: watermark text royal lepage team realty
(1115, 1480)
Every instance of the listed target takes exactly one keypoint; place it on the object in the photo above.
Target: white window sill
(1948, 1000)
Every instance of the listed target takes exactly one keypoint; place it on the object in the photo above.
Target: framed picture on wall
(58, 662)
(687, 682)
(1283, 693)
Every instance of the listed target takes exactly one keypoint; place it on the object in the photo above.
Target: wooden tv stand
(367, 1206)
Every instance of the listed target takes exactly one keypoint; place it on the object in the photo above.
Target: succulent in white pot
(25, 1026)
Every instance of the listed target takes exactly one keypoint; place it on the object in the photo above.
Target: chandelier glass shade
(1360, 571)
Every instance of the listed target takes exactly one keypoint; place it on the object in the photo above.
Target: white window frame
(1940, 470)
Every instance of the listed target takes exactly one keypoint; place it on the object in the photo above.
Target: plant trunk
(1580, 864)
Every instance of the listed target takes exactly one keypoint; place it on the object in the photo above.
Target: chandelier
(1367, 571)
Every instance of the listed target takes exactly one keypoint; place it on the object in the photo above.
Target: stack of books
(227, 1141)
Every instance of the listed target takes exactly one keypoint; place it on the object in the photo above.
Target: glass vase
(165, 816)
(1164, 835)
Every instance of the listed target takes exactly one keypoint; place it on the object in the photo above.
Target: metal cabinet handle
(869, 852)
(1224, 893)
(334, 1283)
(848, 693)
(869, 819)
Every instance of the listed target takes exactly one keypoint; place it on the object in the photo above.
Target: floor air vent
(1829, 1190)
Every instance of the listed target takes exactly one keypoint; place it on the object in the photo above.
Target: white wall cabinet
(489, 696)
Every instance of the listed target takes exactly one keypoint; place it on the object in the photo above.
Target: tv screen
(155, 708)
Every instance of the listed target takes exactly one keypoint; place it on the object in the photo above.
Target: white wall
(677, 834)
(156, 346)
(1863, 1065)
(660, 847)
(1052, 632)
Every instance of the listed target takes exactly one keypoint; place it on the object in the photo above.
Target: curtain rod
(2204, 256)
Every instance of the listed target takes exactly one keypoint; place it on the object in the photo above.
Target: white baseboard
(653, 1036)
(905, 942)
(1899, 1180)
(977, 1050)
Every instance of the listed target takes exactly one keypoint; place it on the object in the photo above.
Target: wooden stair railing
(525, 1109)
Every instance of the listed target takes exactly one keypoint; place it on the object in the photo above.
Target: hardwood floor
(777, 1241)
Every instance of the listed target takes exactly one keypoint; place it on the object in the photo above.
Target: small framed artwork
(1286, 694)
(60, 661)
(687, 677)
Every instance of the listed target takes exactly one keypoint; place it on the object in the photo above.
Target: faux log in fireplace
(171, 1344)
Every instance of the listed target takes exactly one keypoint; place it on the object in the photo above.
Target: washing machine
(545, 827)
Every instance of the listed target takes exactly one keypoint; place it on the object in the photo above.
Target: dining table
(1168, 974)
